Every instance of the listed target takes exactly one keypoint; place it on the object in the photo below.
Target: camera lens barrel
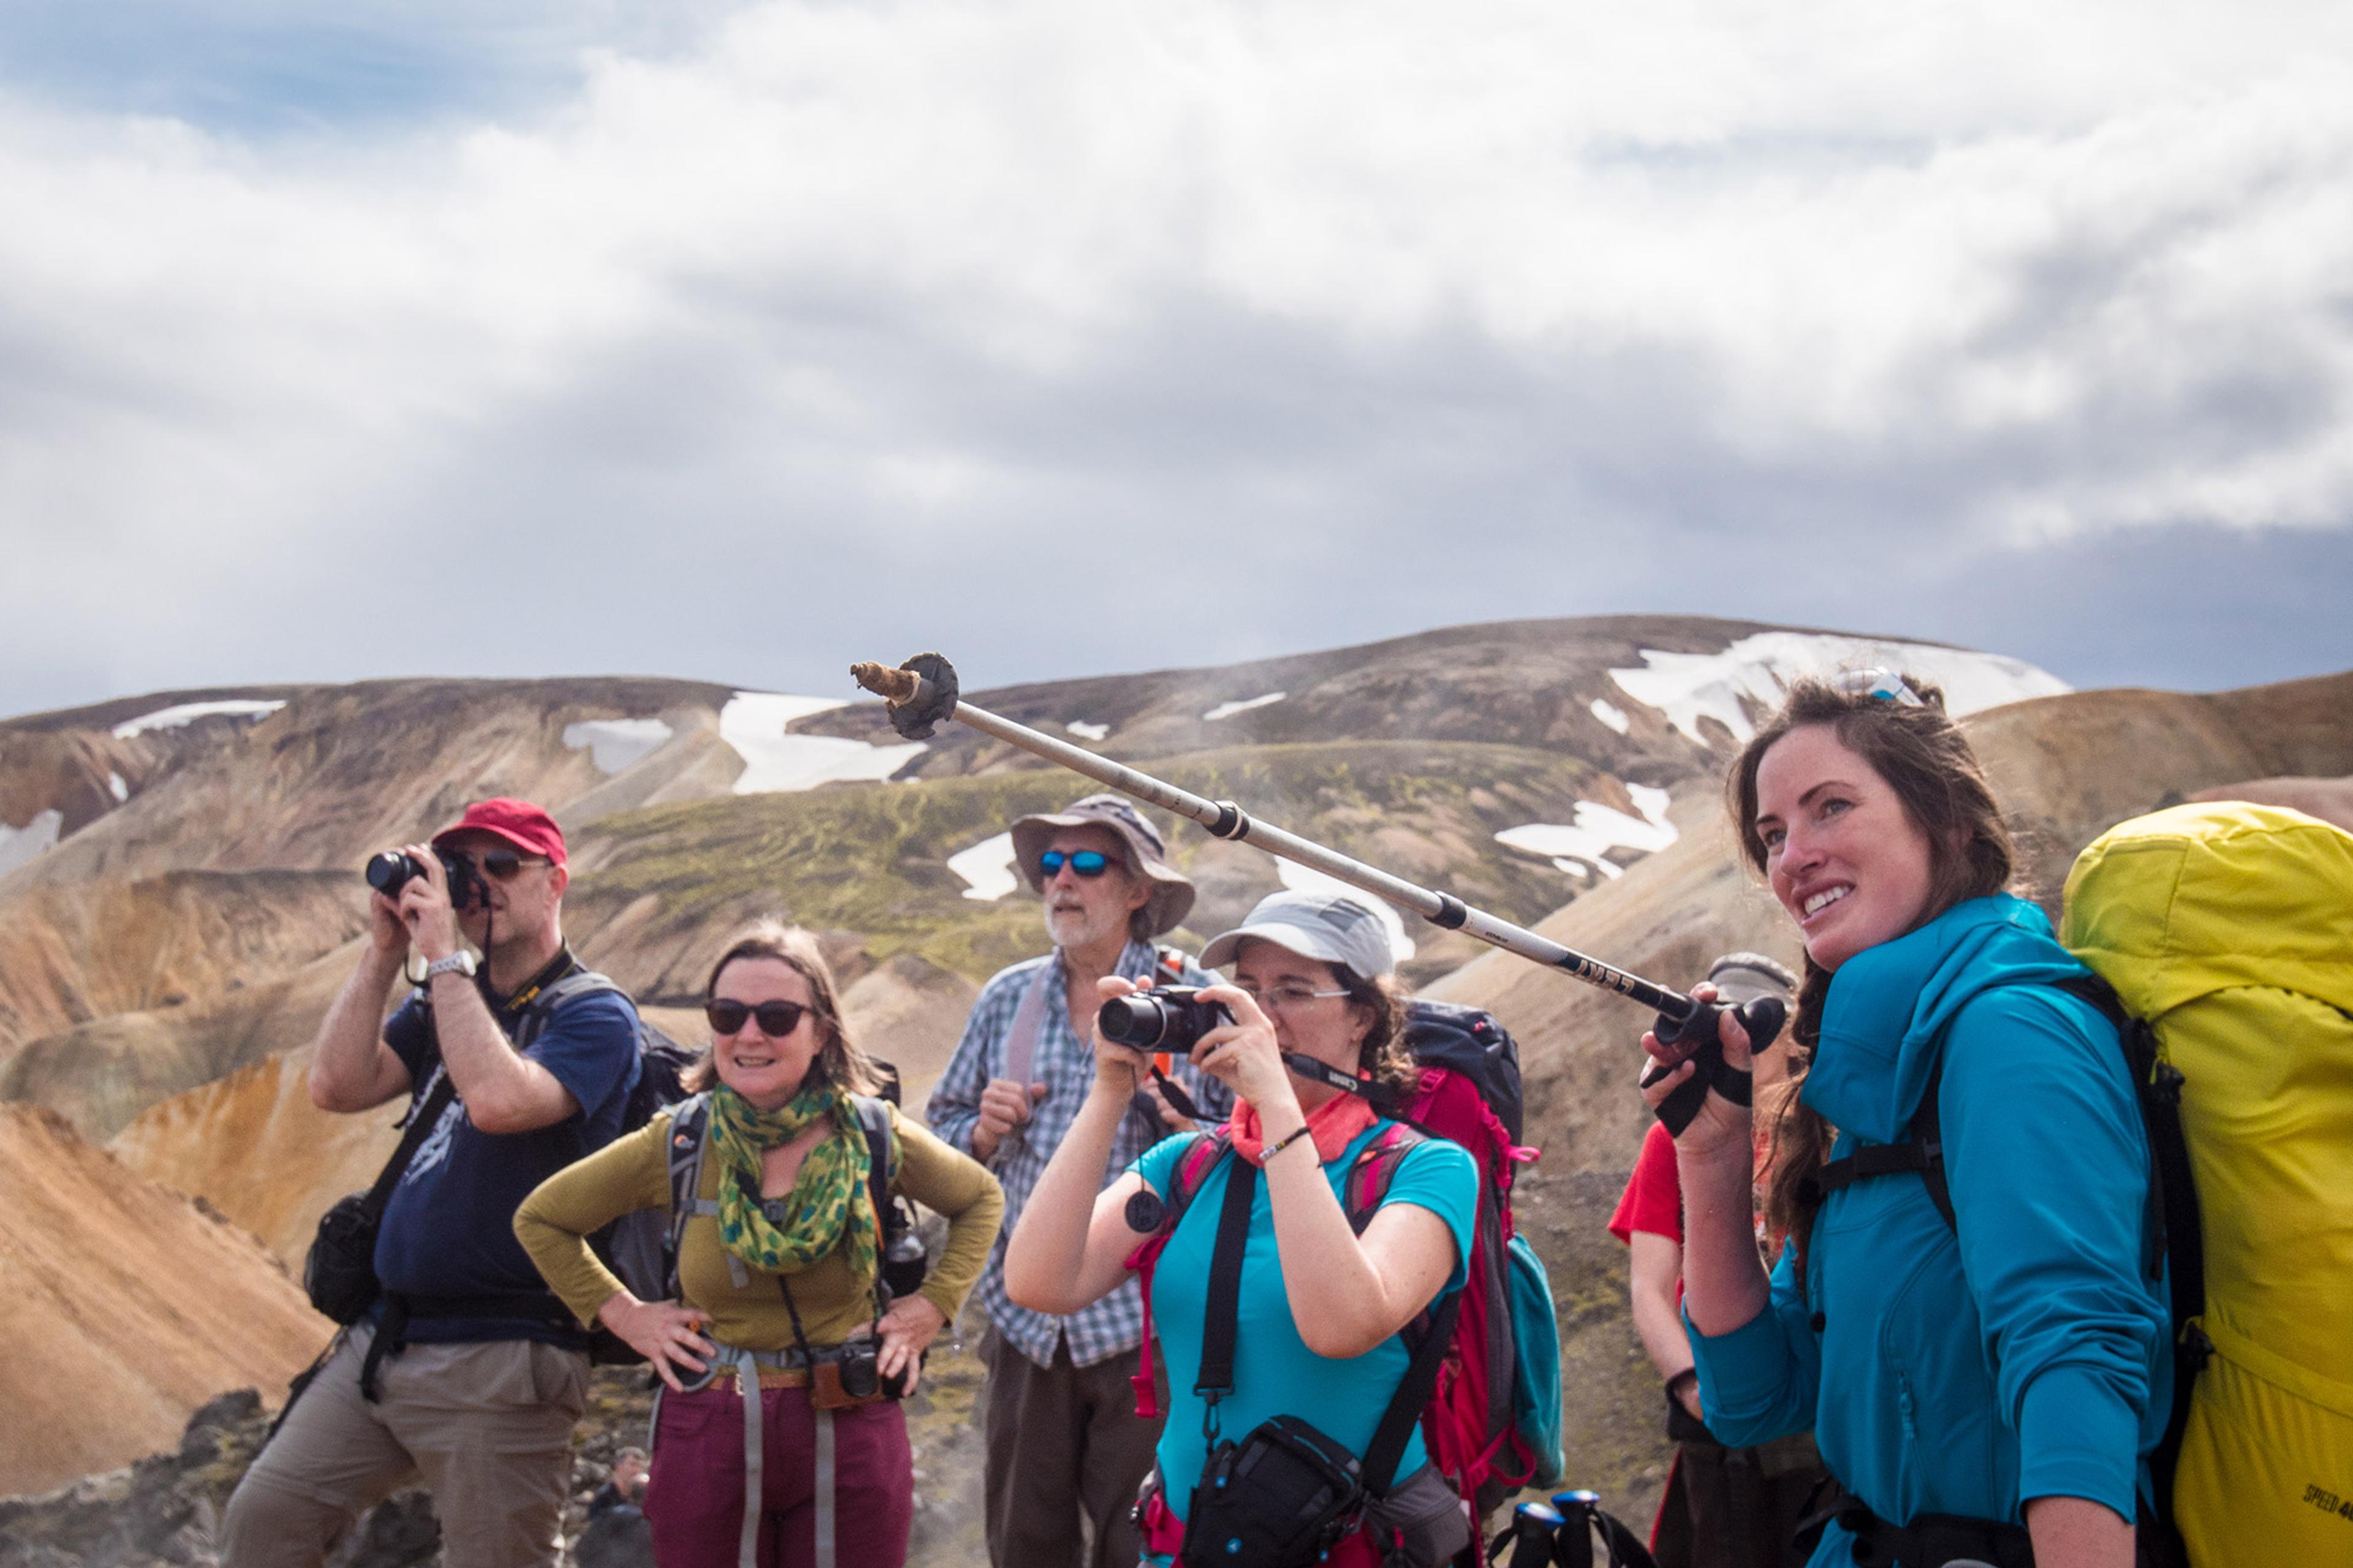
(389, 872)
(1137, 1021)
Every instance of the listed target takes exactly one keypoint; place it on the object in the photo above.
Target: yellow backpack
(2228, 929)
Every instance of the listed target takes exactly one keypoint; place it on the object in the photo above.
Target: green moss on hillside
(874, 861)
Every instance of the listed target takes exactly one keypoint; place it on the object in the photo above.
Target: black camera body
(393, 869)
(1171, 1018)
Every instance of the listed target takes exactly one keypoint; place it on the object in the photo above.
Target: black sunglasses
(778, 1019)
(501, 864)
(1085, 863)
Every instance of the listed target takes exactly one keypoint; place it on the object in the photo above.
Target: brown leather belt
(770, 1377)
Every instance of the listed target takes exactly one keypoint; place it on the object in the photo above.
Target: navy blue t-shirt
(448, 1229)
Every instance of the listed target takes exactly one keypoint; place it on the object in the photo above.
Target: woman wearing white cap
(1320, 1306)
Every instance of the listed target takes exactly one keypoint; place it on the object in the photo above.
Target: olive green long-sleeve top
(633, 1173)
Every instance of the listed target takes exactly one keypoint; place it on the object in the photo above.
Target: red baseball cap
(518, 822)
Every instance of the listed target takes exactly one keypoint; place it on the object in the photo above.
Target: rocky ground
(166, 1508)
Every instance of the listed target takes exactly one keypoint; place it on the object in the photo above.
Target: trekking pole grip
(1761, 1019)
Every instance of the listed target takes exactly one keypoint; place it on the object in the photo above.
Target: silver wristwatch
(458, 962)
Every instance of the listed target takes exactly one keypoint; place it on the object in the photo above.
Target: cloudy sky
(740, 341)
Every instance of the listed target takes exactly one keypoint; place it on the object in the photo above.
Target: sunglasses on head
(778, 1019)
(1083, 863)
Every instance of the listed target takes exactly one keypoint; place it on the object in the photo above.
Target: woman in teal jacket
(2006, 1371)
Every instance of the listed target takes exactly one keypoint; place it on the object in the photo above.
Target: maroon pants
(694, 1498)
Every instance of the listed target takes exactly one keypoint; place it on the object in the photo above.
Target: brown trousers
(488, 1425)
(1067, 1452)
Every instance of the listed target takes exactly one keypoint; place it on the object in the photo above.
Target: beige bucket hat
(1144, 853)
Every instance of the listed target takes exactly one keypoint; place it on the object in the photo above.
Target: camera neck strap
(1221, 1316)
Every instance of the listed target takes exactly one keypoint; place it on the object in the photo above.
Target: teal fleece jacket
(2026, 1358)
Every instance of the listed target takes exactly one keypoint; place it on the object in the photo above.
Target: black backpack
(631, 1247)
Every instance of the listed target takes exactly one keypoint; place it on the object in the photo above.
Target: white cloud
(840, 285)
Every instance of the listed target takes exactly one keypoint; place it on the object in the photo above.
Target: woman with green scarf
(778, 1275)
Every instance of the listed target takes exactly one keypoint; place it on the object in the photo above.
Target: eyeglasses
(1088, 863)
(500, 865)
(1278, 998)
(1884, 683)
(778, 1019)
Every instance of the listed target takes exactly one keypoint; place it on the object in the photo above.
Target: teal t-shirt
(1274, 1372)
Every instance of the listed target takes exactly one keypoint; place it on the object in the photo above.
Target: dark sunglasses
(501, 865)
(1085, 863)
(778, 1019)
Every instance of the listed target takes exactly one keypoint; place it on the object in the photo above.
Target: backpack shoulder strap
(1221, 1312)
(1028, 1018)
(541, 1009)
(874, 1119)
(689, 1130)
(1922, 1151)
(1366, 1185)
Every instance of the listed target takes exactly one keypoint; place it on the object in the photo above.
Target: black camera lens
(860, 1379)
(390, 871)
(1169, 1018)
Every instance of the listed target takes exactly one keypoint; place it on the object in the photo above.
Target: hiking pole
(924, 692)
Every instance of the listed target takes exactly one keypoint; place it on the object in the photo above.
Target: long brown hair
(1929, 765)
(839, 1060)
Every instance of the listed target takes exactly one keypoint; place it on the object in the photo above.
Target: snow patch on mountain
(1754, 673)
(1306, 879)
(121, 791)
(987, 866)
(1085, 731)
(616, 743)
(1609, 713)
(19, 845)
(173, 718)
(1227, 710)
(1582, 847)
(754, 723)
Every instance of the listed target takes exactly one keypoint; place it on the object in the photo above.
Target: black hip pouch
(1278, 1499)
(339, 1275)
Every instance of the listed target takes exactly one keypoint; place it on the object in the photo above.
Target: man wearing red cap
(466, 1369)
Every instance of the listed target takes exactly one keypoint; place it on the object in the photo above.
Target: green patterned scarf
(827, 1203)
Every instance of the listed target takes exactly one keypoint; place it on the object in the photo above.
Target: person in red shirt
(1724, 1508)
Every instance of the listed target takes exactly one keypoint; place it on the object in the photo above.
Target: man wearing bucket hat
(1066, 1450)
(1724, 1508)
(465, 1368)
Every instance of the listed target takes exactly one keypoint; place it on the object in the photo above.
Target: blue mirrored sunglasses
(1083, 863)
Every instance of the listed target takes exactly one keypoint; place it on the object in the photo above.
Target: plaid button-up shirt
(1065, 1065)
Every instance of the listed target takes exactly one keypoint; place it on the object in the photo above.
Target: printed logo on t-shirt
(435, 1147)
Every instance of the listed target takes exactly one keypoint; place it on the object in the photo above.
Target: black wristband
(1676, 1382)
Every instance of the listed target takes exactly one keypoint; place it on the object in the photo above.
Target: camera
(1169, 1018)
(858, 1377)
(393, 869)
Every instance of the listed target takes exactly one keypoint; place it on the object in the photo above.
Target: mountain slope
(126, 1306)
